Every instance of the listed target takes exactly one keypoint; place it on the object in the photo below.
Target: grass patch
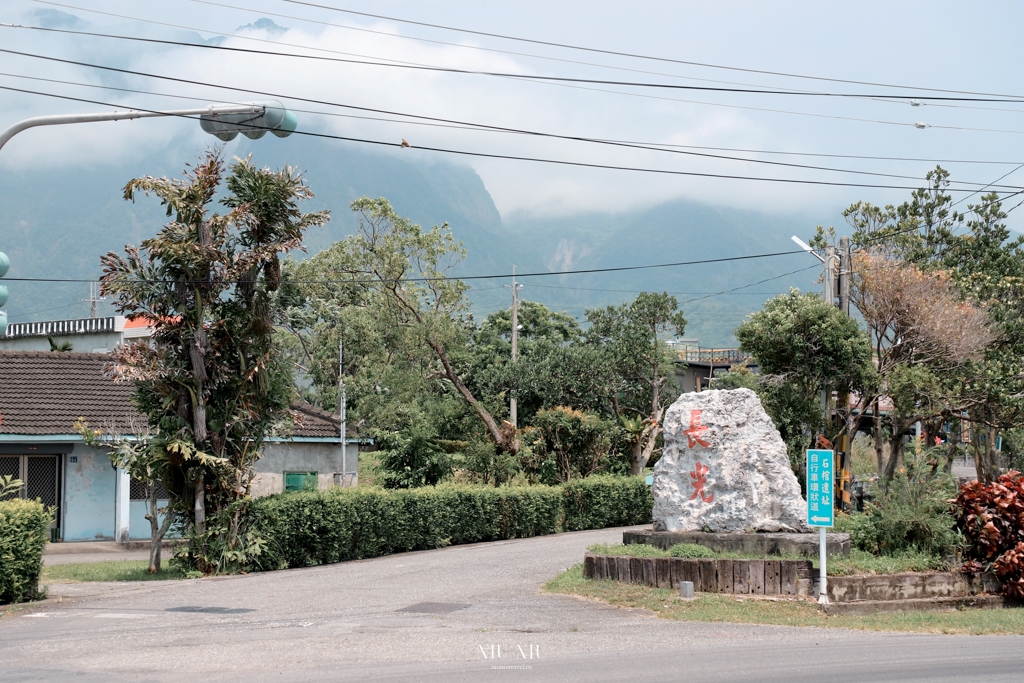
(118, 570)
(369, 468)
(713, 607)
(863, 562)
(859, 562)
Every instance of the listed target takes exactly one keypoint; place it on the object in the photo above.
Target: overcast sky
(933, 44)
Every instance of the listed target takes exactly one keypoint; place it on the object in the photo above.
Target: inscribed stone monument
(724, 468)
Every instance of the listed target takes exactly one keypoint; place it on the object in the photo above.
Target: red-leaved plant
(991, 517)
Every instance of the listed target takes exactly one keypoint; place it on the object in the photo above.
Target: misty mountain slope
(668, 233)
(57, 223)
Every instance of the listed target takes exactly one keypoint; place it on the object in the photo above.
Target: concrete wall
(83, 343)
(89, 495)
(304, 456)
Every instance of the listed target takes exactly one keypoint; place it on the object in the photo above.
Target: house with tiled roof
(43, 393)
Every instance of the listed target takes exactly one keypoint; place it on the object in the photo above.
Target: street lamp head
(268, 115)
(806, 247)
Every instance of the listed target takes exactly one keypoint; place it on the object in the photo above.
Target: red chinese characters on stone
(695, 430)
(699, 476)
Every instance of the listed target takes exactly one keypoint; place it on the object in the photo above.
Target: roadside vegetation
(118, 570)
(715, 607)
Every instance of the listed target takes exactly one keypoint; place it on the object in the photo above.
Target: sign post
(821, 506)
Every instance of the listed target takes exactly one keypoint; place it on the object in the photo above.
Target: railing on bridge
(714, 356)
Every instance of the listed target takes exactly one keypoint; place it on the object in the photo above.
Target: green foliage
(912, 515)
(480, 462)
(602, 501)
(228, 544)
(801, 336)
(632, 336)
(59, 347)
(24, 531)
(306, 528)
(412, 457)
(312, 528)
(629, 550)
(691, 550)
(564, 444)
(212, 383)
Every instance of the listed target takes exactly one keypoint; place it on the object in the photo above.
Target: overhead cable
(460, 125)
(635, 55)
(484, 155)
(521, 76)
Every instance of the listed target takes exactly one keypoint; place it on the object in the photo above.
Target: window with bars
(10, 466)
(138, 490)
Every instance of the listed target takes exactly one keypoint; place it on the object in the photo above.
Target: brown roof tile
(44, 392)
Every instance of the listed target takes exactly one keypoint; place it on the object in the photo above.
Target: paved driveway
(367, 621)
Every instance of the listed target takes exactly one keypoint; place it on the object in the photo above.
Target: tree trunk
(985, 458)
(505, 437)
(635, 465)
(876, 429)
(157, 531)
(200, 506)
(951, 453)
(895, 452)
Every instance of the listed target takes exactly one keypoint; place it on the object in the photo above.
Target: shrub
(691, 550)
(913, 515)
(565, 443)
(991, 517)
(306, 528)
(24, 530)
(412, 457)
(312, 528)
(606, 500)
(628, 549)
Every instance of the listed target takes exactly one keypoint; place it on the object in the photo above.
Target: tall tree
(211, 383)
(804, 347)
(632, 335)
(401, 273)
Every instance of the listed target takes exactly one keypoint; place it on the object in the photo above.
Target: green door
(300, 481)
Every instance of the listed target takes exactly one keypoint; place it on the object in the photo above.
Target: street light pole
(62, 119)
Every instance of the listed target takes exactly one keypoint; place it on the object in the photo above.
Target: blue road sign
(820, 486)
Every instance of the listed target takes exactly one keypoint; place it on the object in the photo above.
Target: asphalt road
(367, 621)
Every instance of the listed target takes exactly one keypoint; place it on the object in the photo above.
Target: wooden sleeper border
(742, 577)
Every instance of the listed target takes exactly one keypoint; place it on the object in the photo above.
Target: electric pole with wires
(512, 407)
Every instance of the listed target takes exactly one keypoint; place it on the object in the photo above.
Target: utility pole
(846, 440)
(845, 271)
(94, 298)
(512, 407)
(830, 275)
(341, 406)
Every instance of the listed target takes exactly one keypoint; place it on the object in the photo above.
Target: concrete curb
(867, 607)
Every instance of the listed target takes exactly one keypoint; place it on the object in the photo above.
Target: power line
(634, 55)
(362, 29)
(578, 87)
(474, 72)
(494, 129)
(485, 128)
(615, 269)
(728, 291)
(484, 155)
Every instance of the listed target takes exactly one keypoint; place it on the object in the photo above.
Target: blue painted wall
(89, 494)
(138, 525)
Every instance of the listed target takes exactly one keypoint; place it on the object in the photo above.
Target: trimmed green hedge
(606, 500)
(309, 528)
(24, 530)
